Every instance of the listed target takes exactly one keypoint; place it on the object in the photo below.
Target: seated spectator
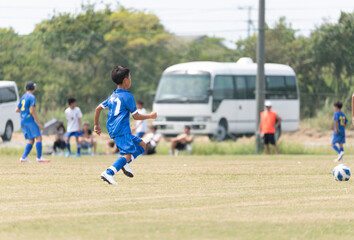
(182, 141)
(59, 140)
(87, 140)
(151, 140)
(109, 145)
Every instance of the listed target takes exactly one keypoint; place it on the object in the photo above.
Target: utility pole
(260, 89)
(249, 21)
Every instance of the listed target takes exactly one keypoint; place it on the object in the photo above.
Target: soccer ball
(341, 172)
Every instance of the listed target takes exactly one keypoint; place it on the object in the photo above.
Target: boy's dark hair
(61, 126)
(71, 100)
(338, 104)
(140, 102)
(188, 127)
(119, 73)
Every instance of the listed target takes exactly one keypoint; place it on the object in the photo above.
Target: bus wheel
(277, 133)
(8, 132)
(221, 131)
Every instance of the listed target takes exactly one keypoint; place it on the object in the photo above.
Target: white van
(10, 120)
(218, 99)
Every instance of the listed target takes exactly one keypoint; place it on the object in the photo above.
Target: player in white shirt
(73, 115)
(151, 140)
(141, 125)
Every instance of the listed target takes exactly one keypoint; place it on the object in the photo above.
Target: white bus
(9, 119)
(218, 99)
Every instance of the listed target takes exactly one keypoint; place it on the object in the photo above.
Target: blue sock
(336, 148)
(28, 149)
(116, 166)
(78, 149)
(341, 149)
(39, 149)
(68, 147)
(139, 151)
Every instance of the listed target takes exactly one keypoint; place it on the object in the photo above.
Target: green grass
(186, 197)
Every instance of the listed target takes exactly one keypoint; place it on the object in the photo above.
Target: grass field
(186, 197)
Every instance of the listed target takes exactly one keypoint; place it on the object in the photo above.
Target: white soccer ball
(341, 172)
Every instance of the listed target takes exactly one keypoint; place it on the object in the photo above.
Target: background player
(30, 123)
(340, 122)
(120, 104)
(73, 115)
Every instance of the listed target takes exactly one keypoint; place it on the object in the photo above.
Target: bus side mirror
(153, 95)
(209, 92)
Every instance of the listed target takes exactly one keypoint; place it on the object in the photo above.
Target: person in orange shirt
(269, 122)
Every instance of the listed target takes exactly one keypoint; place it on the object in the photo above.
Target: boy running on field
(340, 122)
(120, 104)
(30, 123)
(73, 115)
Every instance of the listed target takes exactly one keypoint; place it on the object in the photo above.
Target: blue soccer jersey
(342, 121)
(120, 104)
(27, 100)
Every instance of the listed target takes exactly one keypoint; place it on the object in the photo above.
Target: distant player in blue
(30, 123)
(340, 122)
(120, 105)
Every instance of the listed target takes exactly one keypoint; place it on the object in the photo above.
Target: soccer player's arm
(336, 120)
(134, 111)
(18, 107)
(79, 119)
(34, 113)
(98, 111)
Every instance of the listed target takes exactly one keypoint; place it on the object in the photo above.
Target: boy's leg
(116, 166)
(335, 147)
(39, 150)
(78, 146)
(27, 150)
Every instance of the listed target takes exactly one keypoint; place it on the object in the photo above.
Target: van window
(7, 94)
(241, 87)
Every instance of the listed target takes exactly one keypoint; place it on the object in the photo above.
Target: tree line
(72, 55)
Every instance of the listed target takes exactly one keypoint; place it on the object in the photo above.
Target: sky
(223, 18)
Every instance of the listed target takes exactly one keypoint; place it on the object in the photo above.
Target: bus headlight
(201, 119)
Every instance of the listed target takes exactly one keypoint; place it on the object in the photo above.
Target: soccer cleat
(24, 160)
(42, 159)
(108, 178)
(127, 170)
(67, 154)
(77, 155)
(340, 157)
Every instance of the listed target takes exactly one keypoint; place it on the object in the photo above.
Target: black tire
(8, 132)
(221, 131)
(277, 133)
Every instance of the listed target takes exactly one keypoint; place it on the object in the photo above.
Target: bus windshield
(183, 89)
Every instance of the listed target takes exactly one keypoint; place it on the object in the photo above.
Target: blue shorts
(75, 134)
(338, 138)
(127, 144)
(140, 134)
(30, 130)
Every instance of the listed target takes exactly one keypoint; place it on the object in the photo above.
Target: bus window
(291, 87)
(275, 87)
(241, 89)
(251, 87)
(223, 89)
